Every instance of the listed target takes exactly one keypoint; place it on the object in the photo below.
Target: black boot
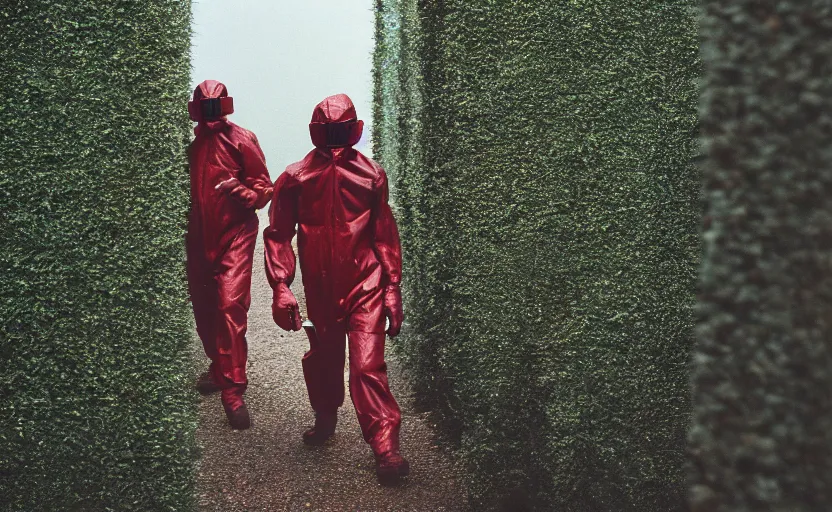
(324, 429)
(239, 418)
(205, 384)
(391, 467)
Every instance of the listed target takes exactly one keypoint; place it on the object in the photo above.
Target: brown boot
(239, 418)
(324, 429)
(205, 384)
(391, 467)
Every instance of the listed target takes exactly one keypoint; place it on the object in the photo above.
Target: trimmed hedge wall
(542, 160)
(95, 411)
(762, 435)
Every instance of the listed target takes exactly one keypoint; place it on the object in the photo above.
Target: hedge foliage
(95, 413)
(542, 156)
(762, 435)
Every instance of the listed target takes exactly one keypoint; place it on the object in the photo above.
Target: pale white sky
(279, 58)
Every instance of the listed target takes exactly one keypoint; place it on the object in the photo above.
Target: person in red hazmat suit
(350, 259)
(229, 181)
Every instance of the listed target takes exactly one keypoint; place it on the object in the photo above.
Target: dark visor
(211, 107)
(335, 134)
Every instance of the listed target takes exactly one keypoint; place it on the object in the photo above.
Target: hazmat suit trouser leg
(323, 368)
(221, 295)
(377, 410)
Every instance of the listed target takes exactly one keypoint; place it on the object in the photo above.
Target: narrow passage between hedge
(268, 468)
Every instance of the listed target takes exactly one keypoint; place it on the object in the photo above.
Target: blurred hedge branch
(762, 435)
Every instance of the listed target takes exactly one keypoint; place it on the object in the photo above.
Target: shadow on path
(268, 468)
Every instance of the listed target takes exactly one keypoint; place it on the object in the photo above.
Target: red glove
(238, 191)
(285, 309)
(393, 309)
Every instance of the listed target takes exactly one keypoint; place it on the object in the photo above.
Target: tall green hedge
(95, 413)
(542, 159)
(762, 435)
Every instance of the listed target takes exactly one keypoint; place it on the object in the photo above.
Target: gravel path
(268, 468)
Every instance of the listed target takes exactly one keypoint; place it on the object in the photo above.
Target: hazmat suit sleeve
(255, 174)
(279, 255)
(389, 253)
(255, 189)
(387, 247)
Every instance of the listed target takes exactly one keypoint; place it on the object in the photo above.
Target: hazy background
(279, 58)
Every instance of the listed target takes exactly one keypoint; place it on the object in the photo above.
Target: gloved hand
(393, 308)
(238, 191)
(285, 311)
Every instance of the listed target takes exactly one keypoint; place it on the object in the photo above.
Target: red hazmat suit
(229, 181)
(350, 259)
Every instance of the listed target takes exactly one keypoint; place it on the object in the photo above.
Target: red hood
(210, 89)
(335, 123)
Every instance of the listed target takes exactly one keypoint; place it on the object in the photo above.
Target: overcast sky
(279, 58)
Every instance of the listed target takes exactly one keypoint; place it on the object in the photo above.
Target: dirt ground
(268, 468)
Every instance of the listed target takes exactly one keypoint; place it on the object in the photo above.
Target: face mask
(336, 135)
(210, 108)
